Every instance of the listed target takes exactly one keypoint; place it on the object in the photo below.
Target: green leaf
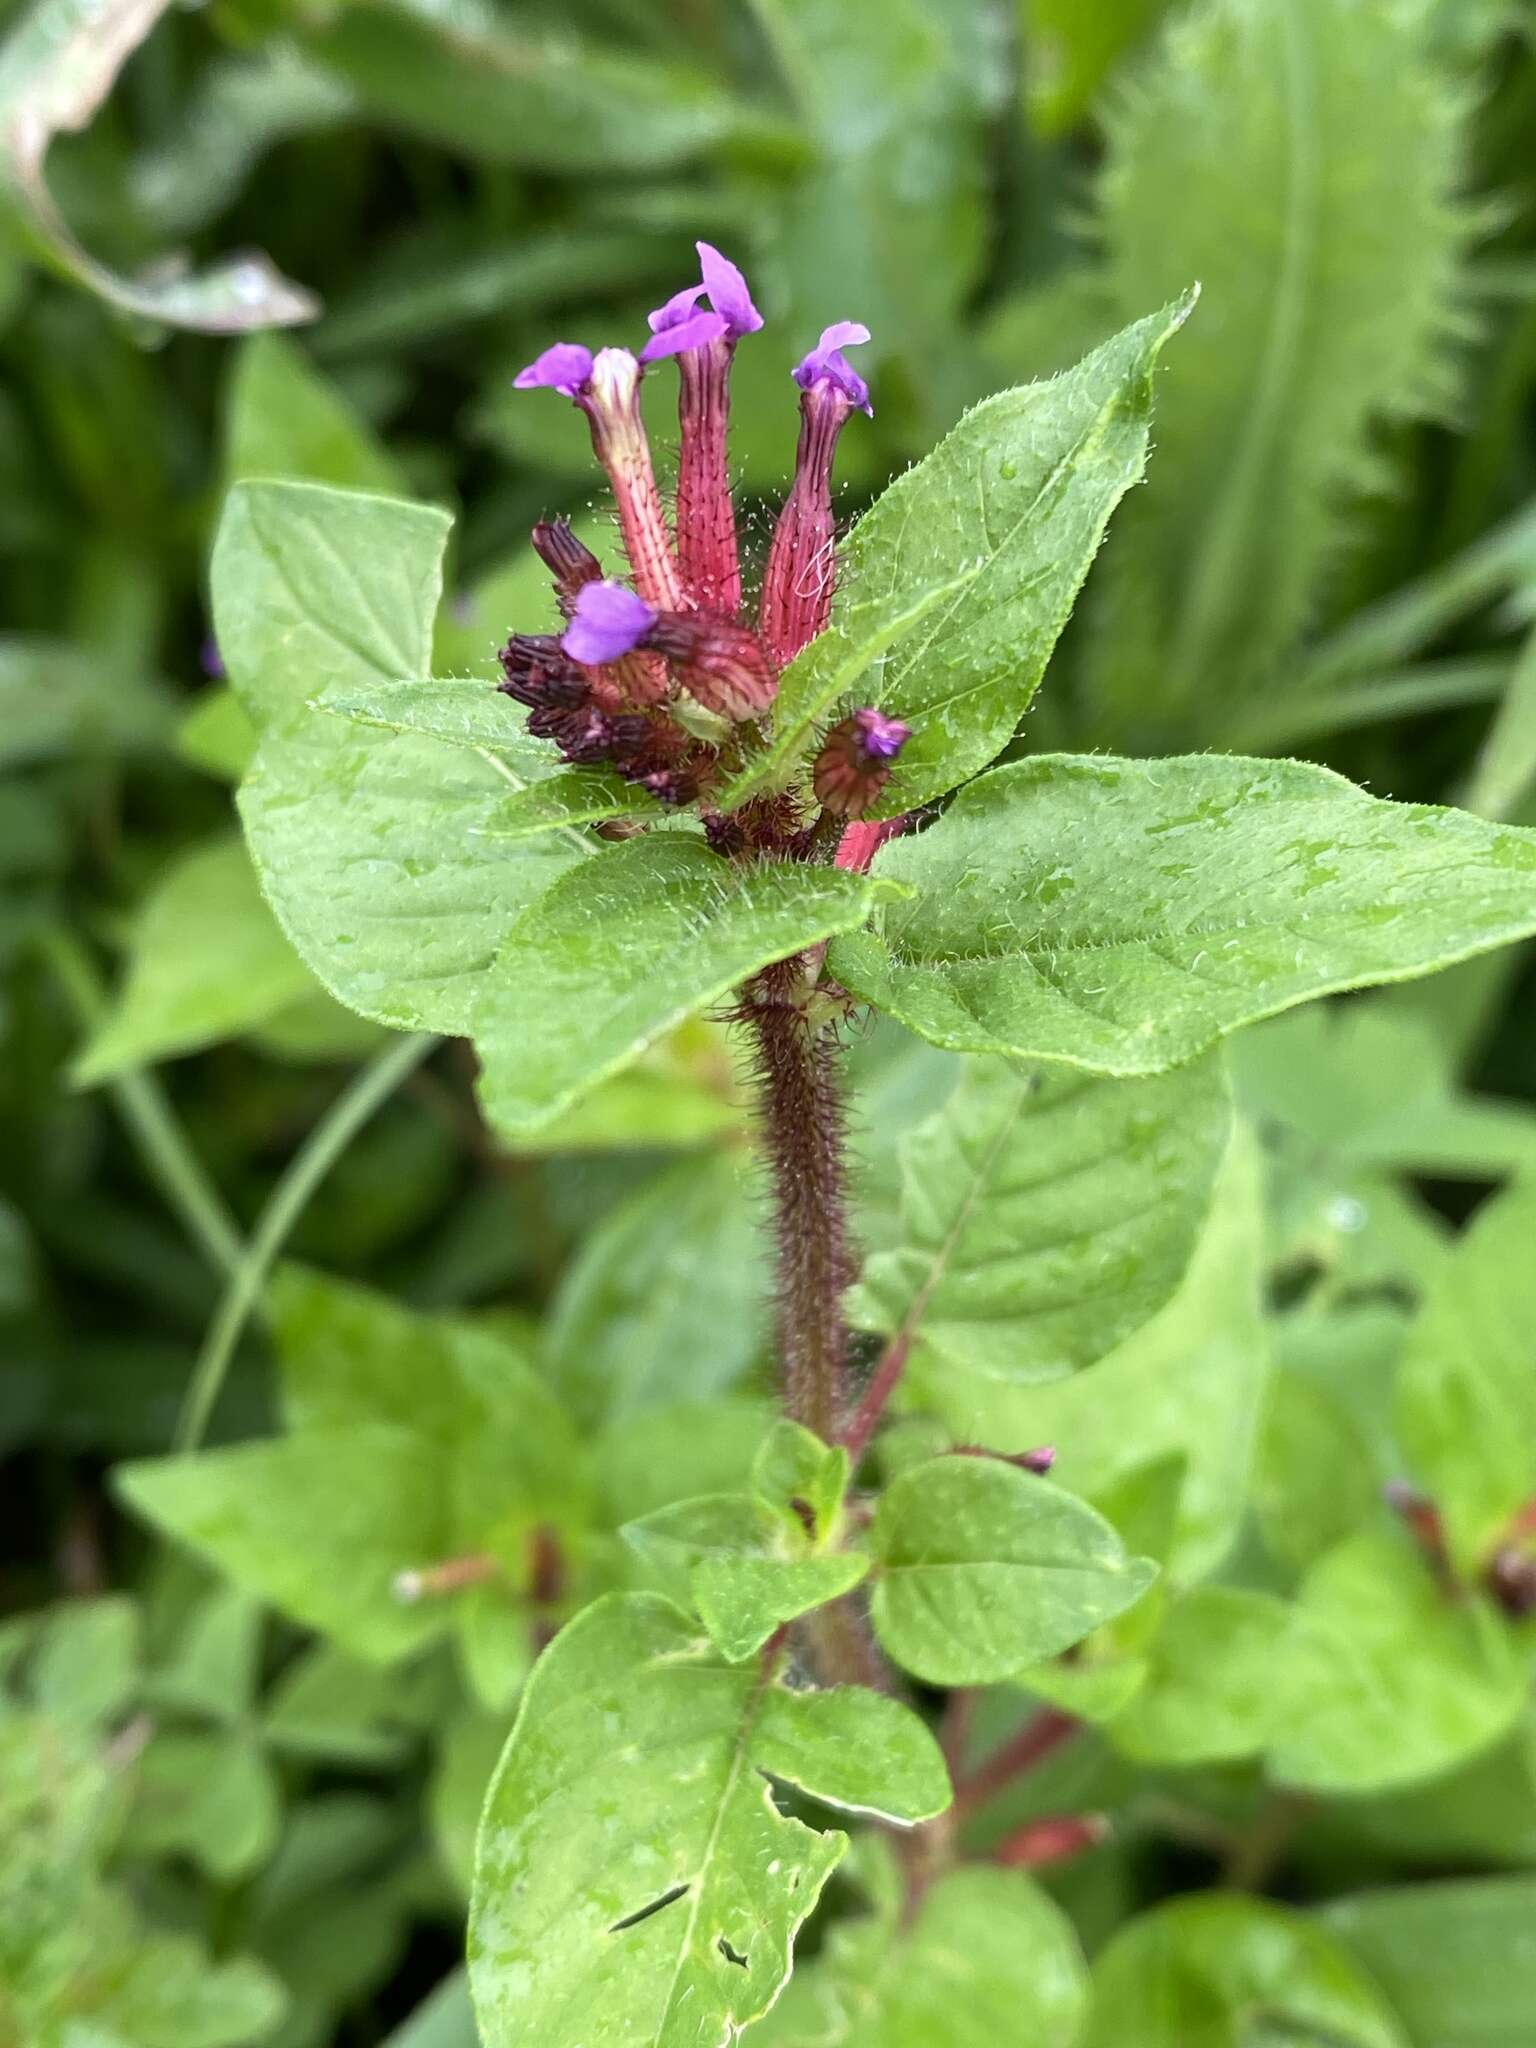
(1046, 1215)
(366, 844)
(481, 85)
(801, 1480)
(1071, 50)
(1208, 1972)
(284, 419)
(1392, 1677)
(211, 1797)
(1213, 1689)
(217, 735)
(665, 1299)
(1466, 1407)
(340, 1710)
(744, 1565)
(85, 1663)
(207, 961)
(635, 1883)
(463, 711)
(1303, 162)
(989, 1958)
(57, 65)
(59, 700)
(581, 796)
(624, 948)
(1122, 915)
(985, 1569)
(215, 1661)
(1455, 1959)
(1009, 509)
(1193, 1378)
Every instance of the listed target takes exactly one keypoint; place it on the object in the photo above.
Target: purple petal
(693, 332)
(827, 364)
(882, 738)
(728, 292)
(564, 368)
(609, 621)
(680, 307)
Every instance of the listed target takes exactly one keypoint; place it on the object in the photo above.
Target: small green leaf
(801, 1479)
(1122, 915)
(621, 950)
(985, 1569)
(635, 1884)
(1223, 1970)
(462, 711)
(1046, 1215)
(85, 1667)
(211, 1797)
(581, 796)
(1391, 1676)
(207, 961)
(1466, 1407)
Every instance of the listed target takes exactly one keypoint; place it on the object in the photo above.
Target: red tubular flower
(797, 589)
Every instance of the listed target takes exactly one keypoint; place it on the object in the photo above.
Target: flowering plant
(795, 798)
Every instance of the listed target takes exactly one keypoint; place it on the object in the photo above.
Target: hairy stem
(801, 1107)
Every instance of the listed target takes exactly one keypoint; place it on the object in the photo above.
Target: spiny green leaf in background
(984, 1569)
(1046, 1215)
(1230, 1969)
(1466, 1408)
(1122, 915)
(1303, 161)
(618, 1900)
(207, 961)
(618, 952)
(366, 844)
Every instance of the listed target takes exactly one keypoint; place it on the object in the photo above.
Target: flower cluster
(666, 678)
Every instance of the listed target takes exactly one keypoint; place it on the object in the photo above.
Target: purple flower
(882, 738)
(679, 324)
(565, 368)
(826, 363)
(728, 293)
(608, 621)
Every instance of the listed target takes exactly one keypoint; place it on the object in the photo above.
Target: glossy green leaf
(1231, 1972)
(1046, 1215)
(1392, 1677)
(1466, 1409)
(635, 1883)
(1456, 1960)
(206, 962)
(1193, 1378)
(985, 1569)
(1304, 163)
(1122, 915)
(1213, 1687)
(366, 844)
(284, 419)
(665, 1300)
(1011, 506)
(640, 937)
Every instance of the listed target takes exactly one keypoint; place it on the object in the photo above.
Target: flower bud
(855, 761)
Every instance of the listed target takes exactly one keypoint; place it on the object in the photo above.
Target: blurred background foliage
(218, 1827)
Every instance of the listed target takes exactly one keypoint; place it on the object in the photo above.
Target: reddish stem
(1029, 1746)
(1052, 1839)
(883, 1383)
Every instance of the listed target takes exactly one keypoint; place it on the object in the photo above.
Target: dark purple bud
(572, 564)
(826, 363)
(721, 665)
(566, 367)
(607, 622)
(854, 764)
(539, 673)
